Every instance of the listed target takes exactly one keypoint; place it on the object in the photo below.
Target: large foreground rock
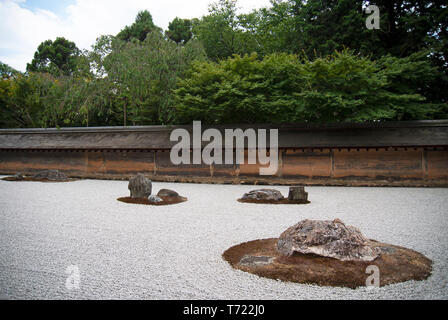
(260, 257)
(328, 239)
(263, 194)
(140, 187)
(53, 175)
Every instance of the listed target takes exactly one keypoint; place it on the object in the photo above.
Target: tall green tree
(143, 75)
(221, 31)
(180, 30)
(142, 25)
(55, 57)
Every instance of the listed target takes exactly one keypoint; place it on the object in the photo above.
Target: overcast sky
(24, 24)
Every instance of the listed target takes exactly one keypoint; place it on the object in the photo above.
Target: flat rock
(167, 193)
(327, 239)
(140, 187)
(263, 195)
(253, 261)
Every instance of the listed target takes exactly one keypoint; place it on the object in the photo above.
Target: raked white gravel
(126, 251)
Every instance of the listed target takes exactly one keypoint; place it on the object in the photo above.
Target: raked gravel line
(127, 251)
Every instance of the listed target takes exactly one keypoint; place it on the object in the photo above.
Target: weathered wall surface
(420, 167)
(326, 157)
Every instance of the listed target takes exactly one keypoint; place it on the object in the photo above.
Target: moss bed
(260, 257)
(165, 200)
(283, 201)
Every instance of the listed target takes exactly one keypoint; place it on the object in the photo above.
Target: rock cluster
(52, 175)
(140, 187)
(263, 194)
(328, 239)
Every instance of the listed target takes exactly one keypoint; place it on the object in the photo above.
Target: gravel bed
(127, 251)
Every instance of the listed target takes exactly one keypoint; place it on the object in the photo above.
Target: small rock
(154, 199)
(53, 175)
(19, 176)
(328, 239)
(140, 187)
(256, 260)
(388, 250)
(297, 194)
(167, 193)
(263, 194)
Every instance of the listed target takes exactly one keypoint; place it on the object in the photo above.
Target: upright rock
(263, 195)
(140, 187)
(328, 239)
(52, 175)
(298, 194)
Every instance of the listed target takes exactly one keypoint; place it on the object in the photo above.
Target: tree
(221, 32)
(180, 30)
(142, 75)
(55, 57)
(142, 25)
(318, 28)
(296, 60)
(6, 114)
(273, 28)
(285, 88)
(7, 71)
(24, 105)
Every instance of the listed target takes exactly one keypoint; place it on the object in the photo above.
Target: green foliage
(117, 82)
(6, 120)
(25, 100)
(321, 27)
(7, 71)
(180, 30)
(130, 83)
(139, 29)
(285, 88)
(146, 73)
(272, 29)
(293, 61)
(325, 26)
(221, 32)
(318, 28)
(56, 57)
